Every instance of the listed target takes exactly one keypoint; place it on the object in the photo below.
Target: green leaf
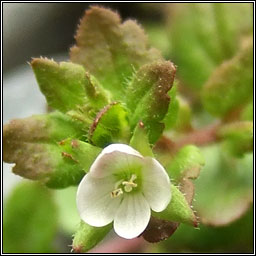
(247, 112)
(96, 95)
(67, 86)
(30, 220)
(238, 137)
(183, 122)
(62, 84)
(36, 146)
(204, 24)
(182, 23)
(72, 159)
(211, 31)
(226, 183)
(186, 163)
(110, 126)
(140, 142)
(234, 238)
(185, 166)
(69, 218)
(178, 209)
(147, 96)
(231, 84)
(87, 237)
(111, 50)
(173, 109)
(230, 31)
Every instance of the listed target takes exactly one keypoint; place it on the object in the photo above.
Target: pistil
(127, 186)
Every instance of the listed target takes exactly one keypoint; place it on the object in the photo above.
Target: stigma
(124, 186)
(129, 185)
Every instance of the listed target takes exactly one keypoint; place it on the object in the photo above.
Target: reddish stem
(199, 137)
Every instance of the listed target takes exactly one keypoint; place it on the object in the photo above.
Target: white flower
(122, 186)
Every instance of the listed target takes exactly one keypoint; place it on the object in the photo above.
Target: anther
(116, 192)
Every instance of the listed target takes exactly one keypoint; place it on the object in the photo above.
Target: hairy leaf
(62, 84)
(36, 146)
(110, 50)
(72, 160)
(88, 236)
(186, 163)
(140, 142)
(67, 86)
(178, 209)
(147, 96)
(110, 125)
(173, 109)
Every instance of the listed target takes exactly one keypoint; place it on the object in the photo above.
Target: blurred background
(47, 29)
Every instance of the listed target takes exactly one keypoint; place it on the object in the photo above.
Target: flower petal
(94, 202)
(156, 185)
(115, 158)
(121, 148)
(132, 216)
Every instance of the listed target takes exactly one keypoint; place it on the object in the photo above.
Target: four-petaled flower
(122, 186)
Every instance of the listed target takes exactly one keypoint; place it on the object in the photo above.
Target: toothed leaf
(211, 31)
(66, 85)
(36, 146)
(63, 84)
(231, 84)
(147, 96)
(111, 50)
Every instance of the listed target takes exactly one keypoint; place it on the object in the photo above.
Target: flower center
(124, 186)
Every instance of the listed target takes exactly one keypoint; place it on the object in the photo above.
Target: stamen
(116, 192)
(129, 185)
